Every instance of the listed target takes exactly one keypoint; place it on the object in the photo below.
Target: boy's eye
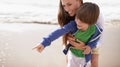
(78, 26)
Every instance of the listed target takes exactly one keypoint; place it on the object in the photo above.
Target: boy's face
(81, 25)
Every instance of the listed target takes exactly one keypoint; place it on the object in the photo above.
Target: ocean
(46, 10)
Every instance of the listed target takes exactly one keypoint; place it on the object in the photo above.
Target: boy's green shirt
(83, 36)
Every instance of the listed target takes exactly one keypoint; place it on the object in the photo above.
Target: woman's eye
(69, 4)
(63, 5)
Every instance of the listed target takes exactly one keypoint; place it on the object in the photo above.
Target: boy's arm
(57, 33)
(95, 38)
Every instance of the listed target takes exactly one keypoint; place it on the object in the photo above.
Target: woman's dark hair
(64, 18)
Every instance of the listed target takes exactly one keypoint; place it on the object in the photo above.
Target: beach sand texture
(17, 41)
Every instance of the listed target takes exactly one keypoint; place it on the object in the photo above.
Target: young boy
(83, 29)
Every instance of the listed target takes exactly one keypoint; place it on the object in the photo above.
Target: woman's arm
(95, 38)
(92, 42)
(100, 27)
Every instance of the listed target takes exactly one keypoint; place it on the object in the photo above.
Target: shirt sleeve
(57, 33)
(95, 38)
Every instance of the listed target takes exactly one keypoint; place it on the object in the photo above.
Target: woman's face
(71, 6)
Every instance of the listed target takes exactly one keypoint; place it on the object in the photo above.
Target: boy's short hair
(88, 13)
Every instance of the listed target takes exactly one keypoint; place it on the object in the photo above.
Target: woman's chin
(71, 15)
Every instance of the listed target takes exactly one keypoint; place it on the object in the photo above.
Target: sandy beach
(18, 39)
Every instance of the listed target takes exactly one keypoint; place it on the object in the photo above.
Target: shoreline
(114, 21)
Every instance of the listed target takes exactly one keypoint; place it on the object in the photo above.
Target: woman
(67, 11)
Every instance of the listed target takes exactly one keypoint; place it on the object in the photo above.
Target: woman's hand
(70, 37)
(79, 45)
(87, 50)
(39, 48)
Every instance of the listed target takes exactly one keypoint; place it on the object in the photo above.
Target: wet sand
(17, 41)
